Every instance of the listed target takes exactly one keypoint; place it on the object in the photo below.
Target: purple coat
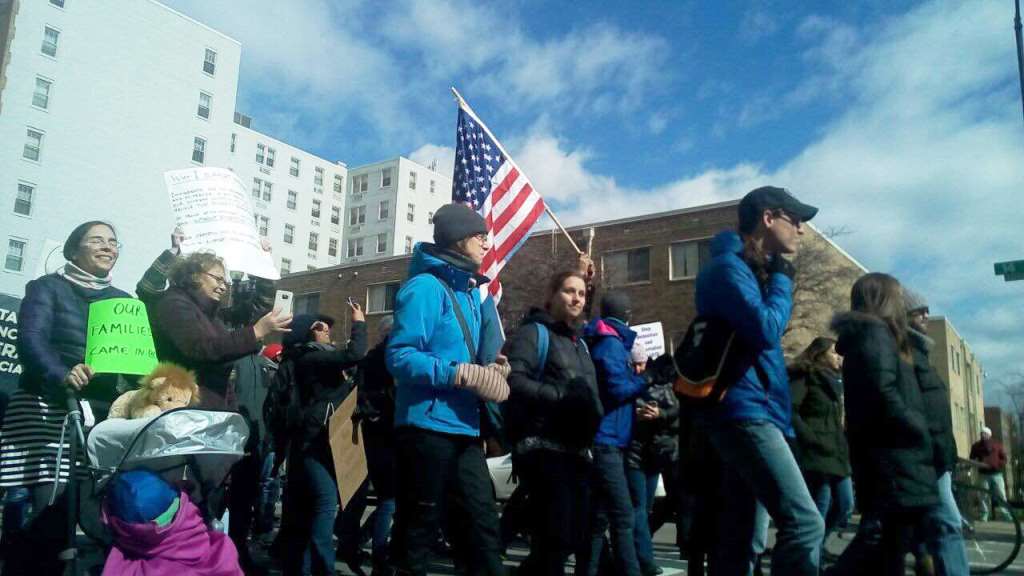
(185, 546)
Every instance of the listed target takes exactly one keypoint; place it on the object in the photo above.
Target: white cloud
(429, 153)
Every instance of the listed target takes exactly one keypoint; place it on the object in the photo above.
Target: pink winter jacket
(185, 546)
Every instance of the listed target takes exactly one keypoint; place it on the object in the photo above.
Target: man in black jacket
(941, 534)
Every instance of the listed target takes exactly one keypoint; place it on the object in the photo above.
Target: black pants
(243, 497)
(34, 550)
(428, 464)
(558, 489)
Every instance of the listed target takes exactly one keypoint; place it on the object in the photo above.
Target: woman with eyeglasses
(188, 331)
(52, 324)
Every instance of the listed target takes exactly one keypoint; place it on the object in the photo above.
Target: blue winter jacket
(426, 345)
(610, 342)
(728, 289)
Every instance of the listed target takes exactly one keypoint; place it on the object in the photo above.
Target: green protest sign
(119, 340)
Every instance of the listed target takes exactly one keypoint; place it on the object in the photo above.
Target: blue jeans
(348, 525)
(834, 497)
(314, 494)
(270, 493)
(942, 535)
(611, 508)
(642, 486)
(758, 466)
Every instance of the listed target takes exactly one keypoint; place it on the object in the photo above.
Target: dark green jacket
(818, 421)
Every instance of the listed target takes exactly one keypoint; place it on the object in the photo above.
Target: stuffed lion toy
(167, 387)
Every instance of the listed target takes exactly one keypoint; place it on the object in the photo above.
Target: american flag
(487, 180)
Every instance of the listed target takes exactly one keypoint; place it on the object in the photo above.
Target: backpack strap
(543, 341)
(462, 321)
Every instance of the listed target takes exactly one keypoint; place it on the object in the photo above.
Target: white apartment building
(97, 101)
(390, 207)
(298, 198)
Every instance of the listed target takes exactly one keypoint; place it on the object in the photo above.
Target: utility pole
(1020, 50)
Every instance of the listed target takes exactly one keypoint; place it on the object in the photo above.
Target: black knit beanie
(75, 238)
(617, 305)
(453, 222)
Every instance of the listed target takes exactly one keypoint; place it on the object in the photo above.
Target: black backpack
(705, 360)
(282, 410)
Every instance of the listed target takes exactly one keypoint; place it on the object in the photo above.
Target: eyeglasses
(220, 280)
(97, 242)
(482, 237)
(793, 220)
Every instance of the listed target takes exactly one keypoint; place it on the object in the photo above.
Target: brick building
(655, 258)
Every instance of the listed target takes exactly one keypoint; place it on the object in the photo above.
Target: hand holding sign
(119, 340)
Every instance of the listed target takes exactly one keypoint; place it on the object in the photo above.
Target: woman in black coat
(52, 326)
(551, 417)
(188, 331)
(890, 443)
(816, 389)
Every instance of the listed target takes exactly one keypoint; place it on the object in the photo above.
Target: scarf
(456, 259)
(80, 277)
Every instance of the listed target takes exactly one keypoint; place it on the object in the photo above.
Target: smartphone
(351, 301)
(283, 302)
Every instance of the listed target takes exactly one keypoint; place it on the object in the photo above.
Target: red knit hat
(273, 351)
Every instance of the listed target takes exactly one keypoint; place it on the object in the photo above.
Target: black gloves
(780, 265)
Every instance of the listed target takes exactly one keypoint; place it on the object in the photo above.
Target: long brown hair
(555, 285)
(881, 296)
(813, 357)
(756, 258)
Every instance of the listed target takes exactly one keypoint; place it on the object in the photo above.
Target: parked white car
(501, 476)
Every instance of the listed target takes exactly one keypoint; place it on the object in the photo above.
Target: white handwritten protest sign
(652, 337)
(212, 207)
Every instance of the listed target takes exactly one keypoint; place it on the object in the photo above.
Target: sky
(901, 120)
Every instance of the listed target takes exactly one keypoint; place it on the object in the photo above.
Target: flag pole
(465, 106)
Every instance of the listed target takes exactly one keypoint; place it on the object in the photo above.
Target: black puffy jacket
(52, 324)
(890, 444)
(655, 443)
(937, 407)
(818, 421)
(549, 408)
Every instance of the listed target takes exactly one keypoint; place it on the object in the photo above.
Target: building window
(382, 243)
(357, 215)
(432, 186)
(50, 36)
(316, 208)
(198, 149)
(41, 96)
(307, 303)
(430, 218)
(355, 247)
(688, 257)
(23, 201)
(410, 215)
(205, 101)
(385, 177)
(628, 266)
(234, 141)
(261, 153)
(381, 297)
(289, 234)
(408, 244)
(332, 247)
(360, 183)
(384, 210)
(15, 255)
(210, 62)
(293, 199)
(33, 144)
(257, 188)
(264, 226)
(318, 176)
(314, 241)
(412, 180)
(294, 168)
(286, 266)
(339, 184)
(57, 3)
(336, 215)
(271, 154)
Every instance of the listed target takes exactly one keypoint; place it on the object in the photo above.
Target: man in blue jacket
(749, 284)
(437, 356)
(610, 343)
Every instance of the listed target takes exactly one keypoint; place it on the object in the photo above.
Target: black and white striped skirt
(30, 440)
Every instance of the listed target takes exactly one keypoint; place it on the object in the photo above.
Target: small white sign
(652, 337)
(213, 209)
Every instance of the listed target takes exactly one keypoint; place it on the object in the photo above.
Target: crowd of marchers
(859, 420)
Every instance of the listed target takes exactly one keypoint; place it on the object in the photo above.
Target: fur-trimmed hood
(853, 326)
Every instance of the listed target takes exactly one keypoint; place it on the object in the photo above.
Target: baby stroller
(191, 449)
